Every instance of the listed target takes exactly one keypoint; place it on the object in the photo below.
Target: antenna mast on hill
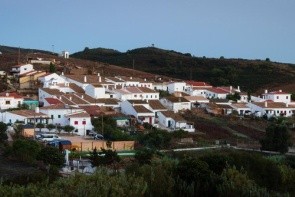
(133, 67)
(18, 59)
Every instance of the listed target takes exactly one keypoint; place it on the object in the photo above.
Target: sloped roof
(53, 101)
(156, 105)
(198, 83)
(174, 116)
(52, 91)
(29, 114)
(141, 109)
(174, 99)
(218, 90)
(10, 94)
(78, 115)
(273, 105)
(76, 88)
(89, 78)
(59, 106)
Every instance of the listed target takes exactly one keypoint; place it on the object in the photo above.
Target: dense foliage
(277, 138)
(210, 173)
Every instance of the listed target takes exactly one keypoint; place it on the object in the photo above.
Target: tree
(277, 138)
(236, 183)
(3, 129)
(40, 126)
(51, 155)
(144, 155)
(26, 149)
(52, 68)
(234, 97)
(50, 127)
(267, 59)
(69, 128)
(293, 96)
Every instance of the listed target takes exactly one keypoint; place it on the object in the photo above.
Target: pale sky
(249, 29)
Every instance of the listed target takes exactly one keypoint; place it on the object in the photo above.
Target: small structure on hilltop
(65, 54)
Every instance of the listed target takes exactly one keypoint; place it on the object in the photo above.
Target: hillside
(251, 75)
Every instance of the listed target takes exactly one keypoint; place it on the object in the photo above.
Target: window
(75, 122)
(84, 122)
(7, 102)
(277, 97)
(58, 116)
(287, 97)
(52, 116)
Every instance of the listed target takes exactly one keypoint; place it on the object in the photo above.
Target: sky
(248, 29)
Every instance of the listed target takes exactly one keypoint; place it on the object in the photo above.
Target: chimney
(98, 74)
(239, 88)
(230, 89)
(130, 77)
(265, 104)
(144, 79)
(99, 79)
(7, 94)
(37, 110)
(85, 79)
(287, 105)
(280, 90)
(70, 98)
(265, 91)
(82, 96)
(62, 73)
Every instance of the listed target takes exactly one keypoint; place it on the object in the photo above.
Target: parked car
(98, 137)
(48, 137)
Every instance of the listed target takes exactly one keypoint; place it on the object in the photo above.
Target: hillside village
(67, 99)
(63, 117)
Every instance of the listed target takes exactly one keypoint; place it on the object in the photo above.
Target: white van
(48, 137)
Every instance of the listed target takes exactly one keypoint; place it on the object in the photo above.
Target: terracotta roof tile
(156, 105)
(141, 109)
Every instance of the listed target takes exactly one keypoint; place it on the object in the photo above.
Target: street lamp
(84, 123)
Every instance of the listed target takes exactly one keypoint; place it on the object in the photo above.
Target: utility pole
(133, 67)
(102, 124)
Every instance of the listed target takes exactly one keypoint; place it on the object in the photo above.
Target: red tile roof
(198, 83)
(53, 101)
(218, 90)
(11, 94)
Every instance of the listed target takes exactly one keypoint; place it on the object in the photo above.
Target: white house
(139, 109)
(216, 93)
(197, 88)
(135, 93)
(61, 114)
(176, 103)
(95, 90)
(196, 100)
(277, 96)
(83, 80)
(241, 108)
(10, 100)
(176, 87)
(25, 116)
(271, 108)
(174, 121)
(81, 121)
(21, 69)
(52, 79)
